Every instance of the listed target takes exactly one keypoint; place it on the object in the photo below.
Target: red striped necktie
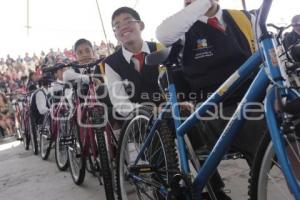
(140, 57)
(214, 22)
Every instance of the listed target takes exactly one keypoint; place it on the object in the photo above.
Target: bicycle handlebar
(89, 65)
(72, 64)
(263, 14)
(278, 28)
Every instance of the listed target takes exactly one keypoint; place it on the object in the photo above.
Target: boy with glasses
(130, 81)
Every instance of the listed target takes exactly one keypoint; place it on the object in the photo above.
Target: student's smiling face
(126, 28)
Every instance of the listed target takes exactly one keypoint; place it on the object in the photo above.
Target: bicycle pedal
(143, 168)
(233, 156)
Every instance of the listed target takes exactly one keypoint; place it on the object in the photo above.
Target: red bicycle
(54, 128)
(89, 134)
(23, 115)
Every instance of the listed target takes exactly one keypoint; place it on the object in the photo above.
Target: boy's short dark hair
(127, 10)
(82, 41)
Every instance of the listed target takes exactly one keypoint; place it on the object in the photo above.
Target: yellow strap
(245, 25)
(101, 67)
(102, 71)
(159, 46)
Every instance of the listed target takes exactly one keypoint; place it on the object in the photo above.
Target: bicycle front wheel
(267, 181)
(61, 155)
(45, 138)
(105, 160)
(77, 161)
(155, 170)
(26, 133)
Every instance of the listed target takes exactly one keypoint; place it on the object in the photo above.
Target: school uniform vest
(145, 82)
(211, 56)
(35, 114)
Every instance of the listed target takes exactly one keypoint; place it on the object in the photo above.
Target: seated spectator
(9, 61)
(6, 115)
(294, 36)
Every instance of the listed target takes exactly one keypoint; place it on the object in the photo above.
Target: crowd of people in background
(16, 73)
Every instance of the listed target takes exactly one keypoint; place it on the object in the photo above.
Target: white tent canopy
(59, 23)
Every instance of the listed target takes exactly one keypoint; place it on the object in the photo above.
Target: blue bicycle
(147, 163)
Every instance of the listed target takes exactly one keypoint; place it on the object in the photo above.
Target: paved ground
(24, 176)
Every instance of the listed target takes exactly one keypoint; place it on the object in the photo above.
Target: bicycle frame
(56, 109)
(26, 113)
(258, 88)
(84, 111)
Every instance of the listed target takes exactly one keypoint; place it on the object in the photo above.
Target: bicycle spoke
(293, 149)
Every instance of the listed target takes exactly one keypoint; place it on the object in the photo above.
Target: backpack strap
(101, 68)
(159, 46)
(102, 71)
(244, 23)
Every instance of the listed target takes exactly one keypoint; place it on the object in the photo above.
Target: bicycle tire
(33, 136)
(165, 139)
(78, 177)
(26, 136)
(262, 170)
(46, 136)
(105, 162)
(62, 164)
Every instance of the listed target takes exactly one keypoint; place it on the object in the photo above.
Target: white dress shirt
(174, 27)
(41, 101)
(71, 75)
(116, 90)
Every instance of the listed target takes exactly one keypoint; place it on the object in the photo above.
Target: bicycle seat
(158, 57)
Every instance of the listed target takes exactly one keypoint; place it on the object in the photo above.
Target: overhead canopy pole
(244, 4)
(102, 24)
(27, 19)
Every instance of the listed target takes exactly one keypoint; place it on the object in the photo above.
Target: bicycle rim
(61, 151)
(76, 159)
(45, 140)
(271, 181)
